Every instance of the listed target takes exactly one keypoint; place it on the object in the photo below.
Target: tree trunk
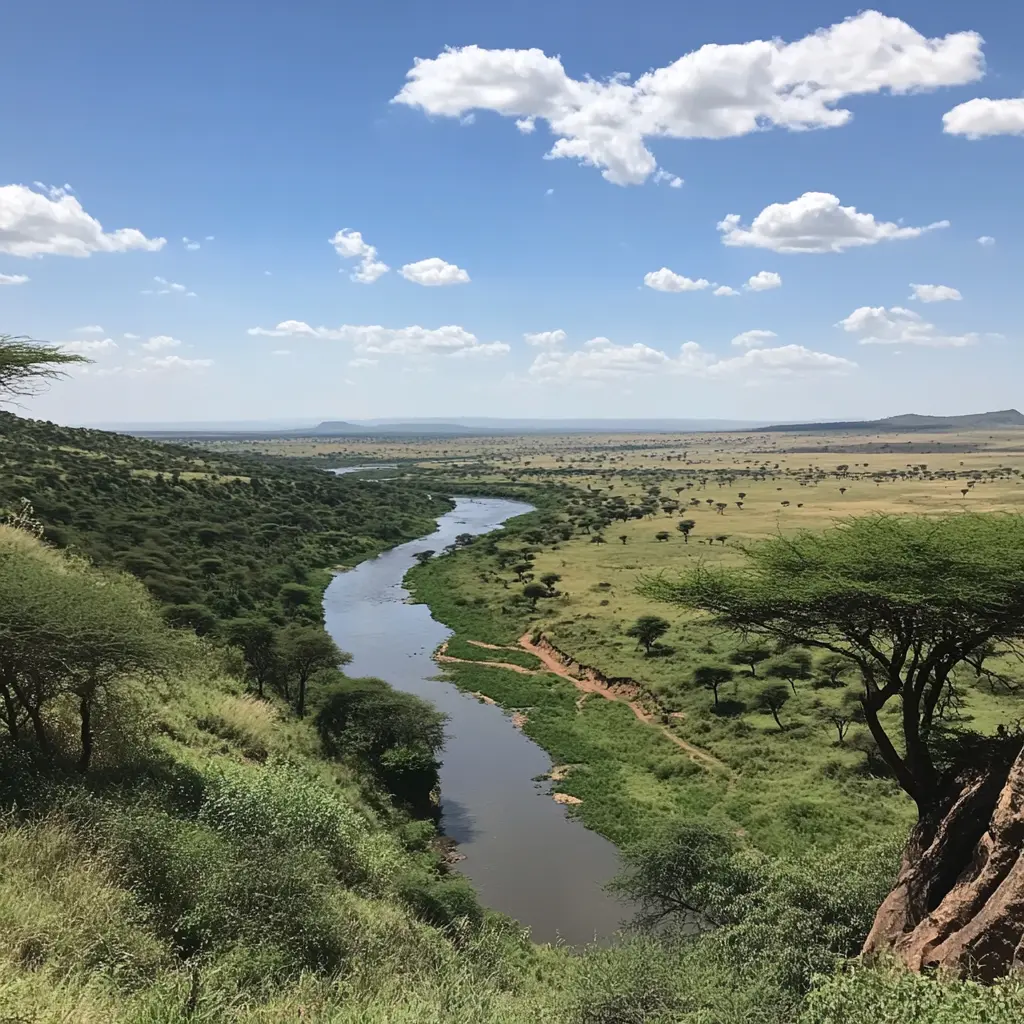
(958, 903)
(85, 713)
(300, 703)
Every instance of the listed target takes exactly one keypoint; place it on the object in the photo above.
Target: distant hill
(1001, 420)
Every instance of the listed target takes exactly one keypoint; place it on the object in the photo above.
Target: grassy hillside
(218, 536)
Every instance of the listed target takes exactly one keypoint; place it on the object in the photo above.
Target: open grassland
(784, 787)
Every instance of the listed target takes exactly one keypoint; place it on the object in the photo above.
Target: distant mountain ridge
(1000, 419)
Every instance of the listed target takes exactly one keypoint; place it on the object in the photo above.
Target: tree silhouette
(750, 655)
(533, 592)
(662, 535)
(771, 699)
(711, 677)
(791, 666)
(27, 366)
(684, 527)
(647, 630)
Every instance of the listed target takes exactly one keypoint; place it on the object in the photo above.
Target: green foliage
(647, 630)
(237, 534)
(712, 677)
(908, 599)
(395, 736)
(771, 699)
(750, 655)
(26, 366)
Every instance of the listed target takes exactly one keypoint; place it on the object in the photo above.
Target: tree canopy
(906, 599)
(27, 366)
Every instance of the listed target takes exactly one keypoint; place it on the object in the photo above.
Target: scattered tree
(771, 699)
(647, 630)
(791, 666)
(711, 677)
(533, 592)
(750, 655)
(302, 651)
(684, 527)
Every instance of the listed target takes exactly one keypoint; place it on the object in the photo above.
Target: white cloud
(434, 272)
(877, 325)
(362, 361)
(209, 238)
(176, 363)
(550, 192)
(935, 293)
(375, 340)
(717, 91)
(281, 352)
(190, 244)
(86, 348)
(349, 245)
(674, 181)
(129, 336)
(982, 117)
(33, 224)
(13, 279)
(986, 240)
(785, 361)
(160, 342)
(665, 280)
(169, 288)
(602, 360)
(89, 329)
(543, 339)
(724, 289)
(763, 281)
(749, 339)
(814, 223)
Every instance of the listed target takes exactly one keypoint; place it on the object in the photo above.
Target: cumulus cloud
(749, 339)
(13, 279)
(674, 181)
(160, 342)
(602, 360)
(665, 280)
(176, 363)
(362, 361)
(349, 245)
(715, 92)
(980, 118)
(935, 293)
(190, 244)
(89, 348)
(784, 361)
(986, 240)
(169, 288)
(876, 325)
(544, 339)
(375, 340)
(763, 281)
(54, 224)
(89, 329)
(434, 272)
(724, 290)
(816, 222)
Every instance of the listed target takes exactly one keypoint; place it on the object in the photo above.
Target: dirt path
(587, 685)
(492, 647)
(445, 657)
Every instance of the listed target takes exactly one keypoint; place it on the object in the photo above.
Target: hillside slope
(1000, 420)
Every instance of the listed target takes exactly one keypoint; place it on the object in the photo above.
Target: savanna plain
(208, 820)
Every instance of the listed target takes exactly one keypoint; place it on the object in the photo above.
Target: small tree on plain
(549, 579)
(647, 630)
(750, 655)
(533, 592)
(684, 527)
(771, 699)
(711, 677)
(791, 666)
(662, 535)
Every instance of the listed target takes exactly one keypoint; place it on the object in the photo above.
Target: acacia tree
(684, 526)
(771, 699)
(647, 630)
(27, 366)
(304, 650)
(711, 677)
(908, 600)
(750, 655)
(791, 666)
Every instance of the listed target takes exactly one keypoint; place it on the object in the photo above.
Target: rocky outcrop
(959, 900)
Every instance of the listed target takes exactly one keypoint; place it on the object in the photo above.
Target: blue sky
(259, 132)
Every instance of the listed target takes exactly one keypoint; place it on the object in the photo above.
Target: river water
(523, 854)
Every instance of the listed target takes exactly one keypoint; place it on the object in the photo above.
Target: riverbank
(639, 758)
(523, 854)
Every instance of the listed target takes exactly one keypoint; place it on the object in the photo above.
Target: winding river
(523, 854)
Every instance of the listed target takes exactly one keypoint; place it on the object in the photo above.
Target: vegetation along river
(523, 854)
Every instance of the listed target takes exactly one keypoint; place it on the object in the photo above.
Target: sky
(319, 210)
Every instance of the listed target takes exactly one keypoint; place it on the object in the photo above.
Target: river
(522, 852)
